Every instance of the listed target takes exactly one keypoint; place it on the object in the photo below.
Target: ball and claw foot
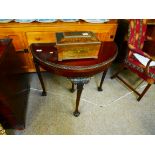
(100, 89)
(44, 93)
(72, 90)
(76, 113)
(112, 77)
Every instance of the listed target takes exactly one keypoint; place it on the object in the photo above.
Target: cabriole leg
(40, 78)
(80, 83)
(102, 80)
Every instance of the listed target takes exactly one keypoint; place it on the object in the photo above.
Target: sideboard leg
(102, 80)
(40, 78)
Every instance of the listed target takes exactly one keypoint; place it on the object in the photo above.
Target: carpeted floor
(114, 111)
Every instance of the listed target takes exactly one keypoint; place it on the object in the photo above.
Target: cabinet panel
(17, 39)
(106, 33)
(14, 88)
(106, 36)
(23, 65)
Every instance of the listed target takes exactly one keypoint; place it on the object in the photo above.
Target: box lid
(76, 37)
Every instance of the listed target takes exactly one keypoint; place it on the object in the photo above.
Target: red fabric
(135, 66)
(137, 36)
(137, 31)
(139, 51)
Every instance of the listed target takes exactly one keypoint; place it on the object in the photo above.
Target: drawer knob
(37, 39)
(26, 50)
(111, 36)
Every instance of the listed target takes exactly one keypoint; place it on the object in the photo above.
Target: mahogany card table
(79, 71)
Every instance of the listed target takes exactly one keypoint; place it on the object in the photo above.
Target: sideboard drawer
(107, 33)
(105, 36)
(40, 37)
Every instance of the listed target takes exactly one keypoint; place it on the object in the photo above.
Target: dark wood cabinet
(121, 39)
(14, 88)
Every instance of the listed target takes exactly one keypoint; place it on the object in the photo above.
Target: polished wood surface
(48, 59)
(24, 34)
(14, 88)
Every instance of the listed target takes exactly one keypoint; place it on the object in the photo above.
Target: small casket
(77, 45)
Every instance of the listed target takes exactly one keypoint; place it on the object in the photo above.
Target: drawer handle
(26, 51)
(4, 36)
(111, 36)
(37, 39)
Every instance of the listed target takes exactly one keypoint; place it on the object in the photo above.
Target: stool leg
(102, 80)
(40, 78)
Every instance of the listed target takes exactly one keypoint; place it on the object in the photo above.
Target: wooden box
(77, 45)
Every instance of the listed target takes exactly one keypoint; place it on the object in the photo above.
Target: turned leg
(40, 78)
(102, 80)
(80, 83)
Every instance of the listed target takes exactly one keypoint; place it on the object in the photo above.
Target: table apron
(75, 73)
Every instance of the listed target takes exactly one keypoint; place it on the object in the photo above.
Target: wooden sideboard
(23, 34)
